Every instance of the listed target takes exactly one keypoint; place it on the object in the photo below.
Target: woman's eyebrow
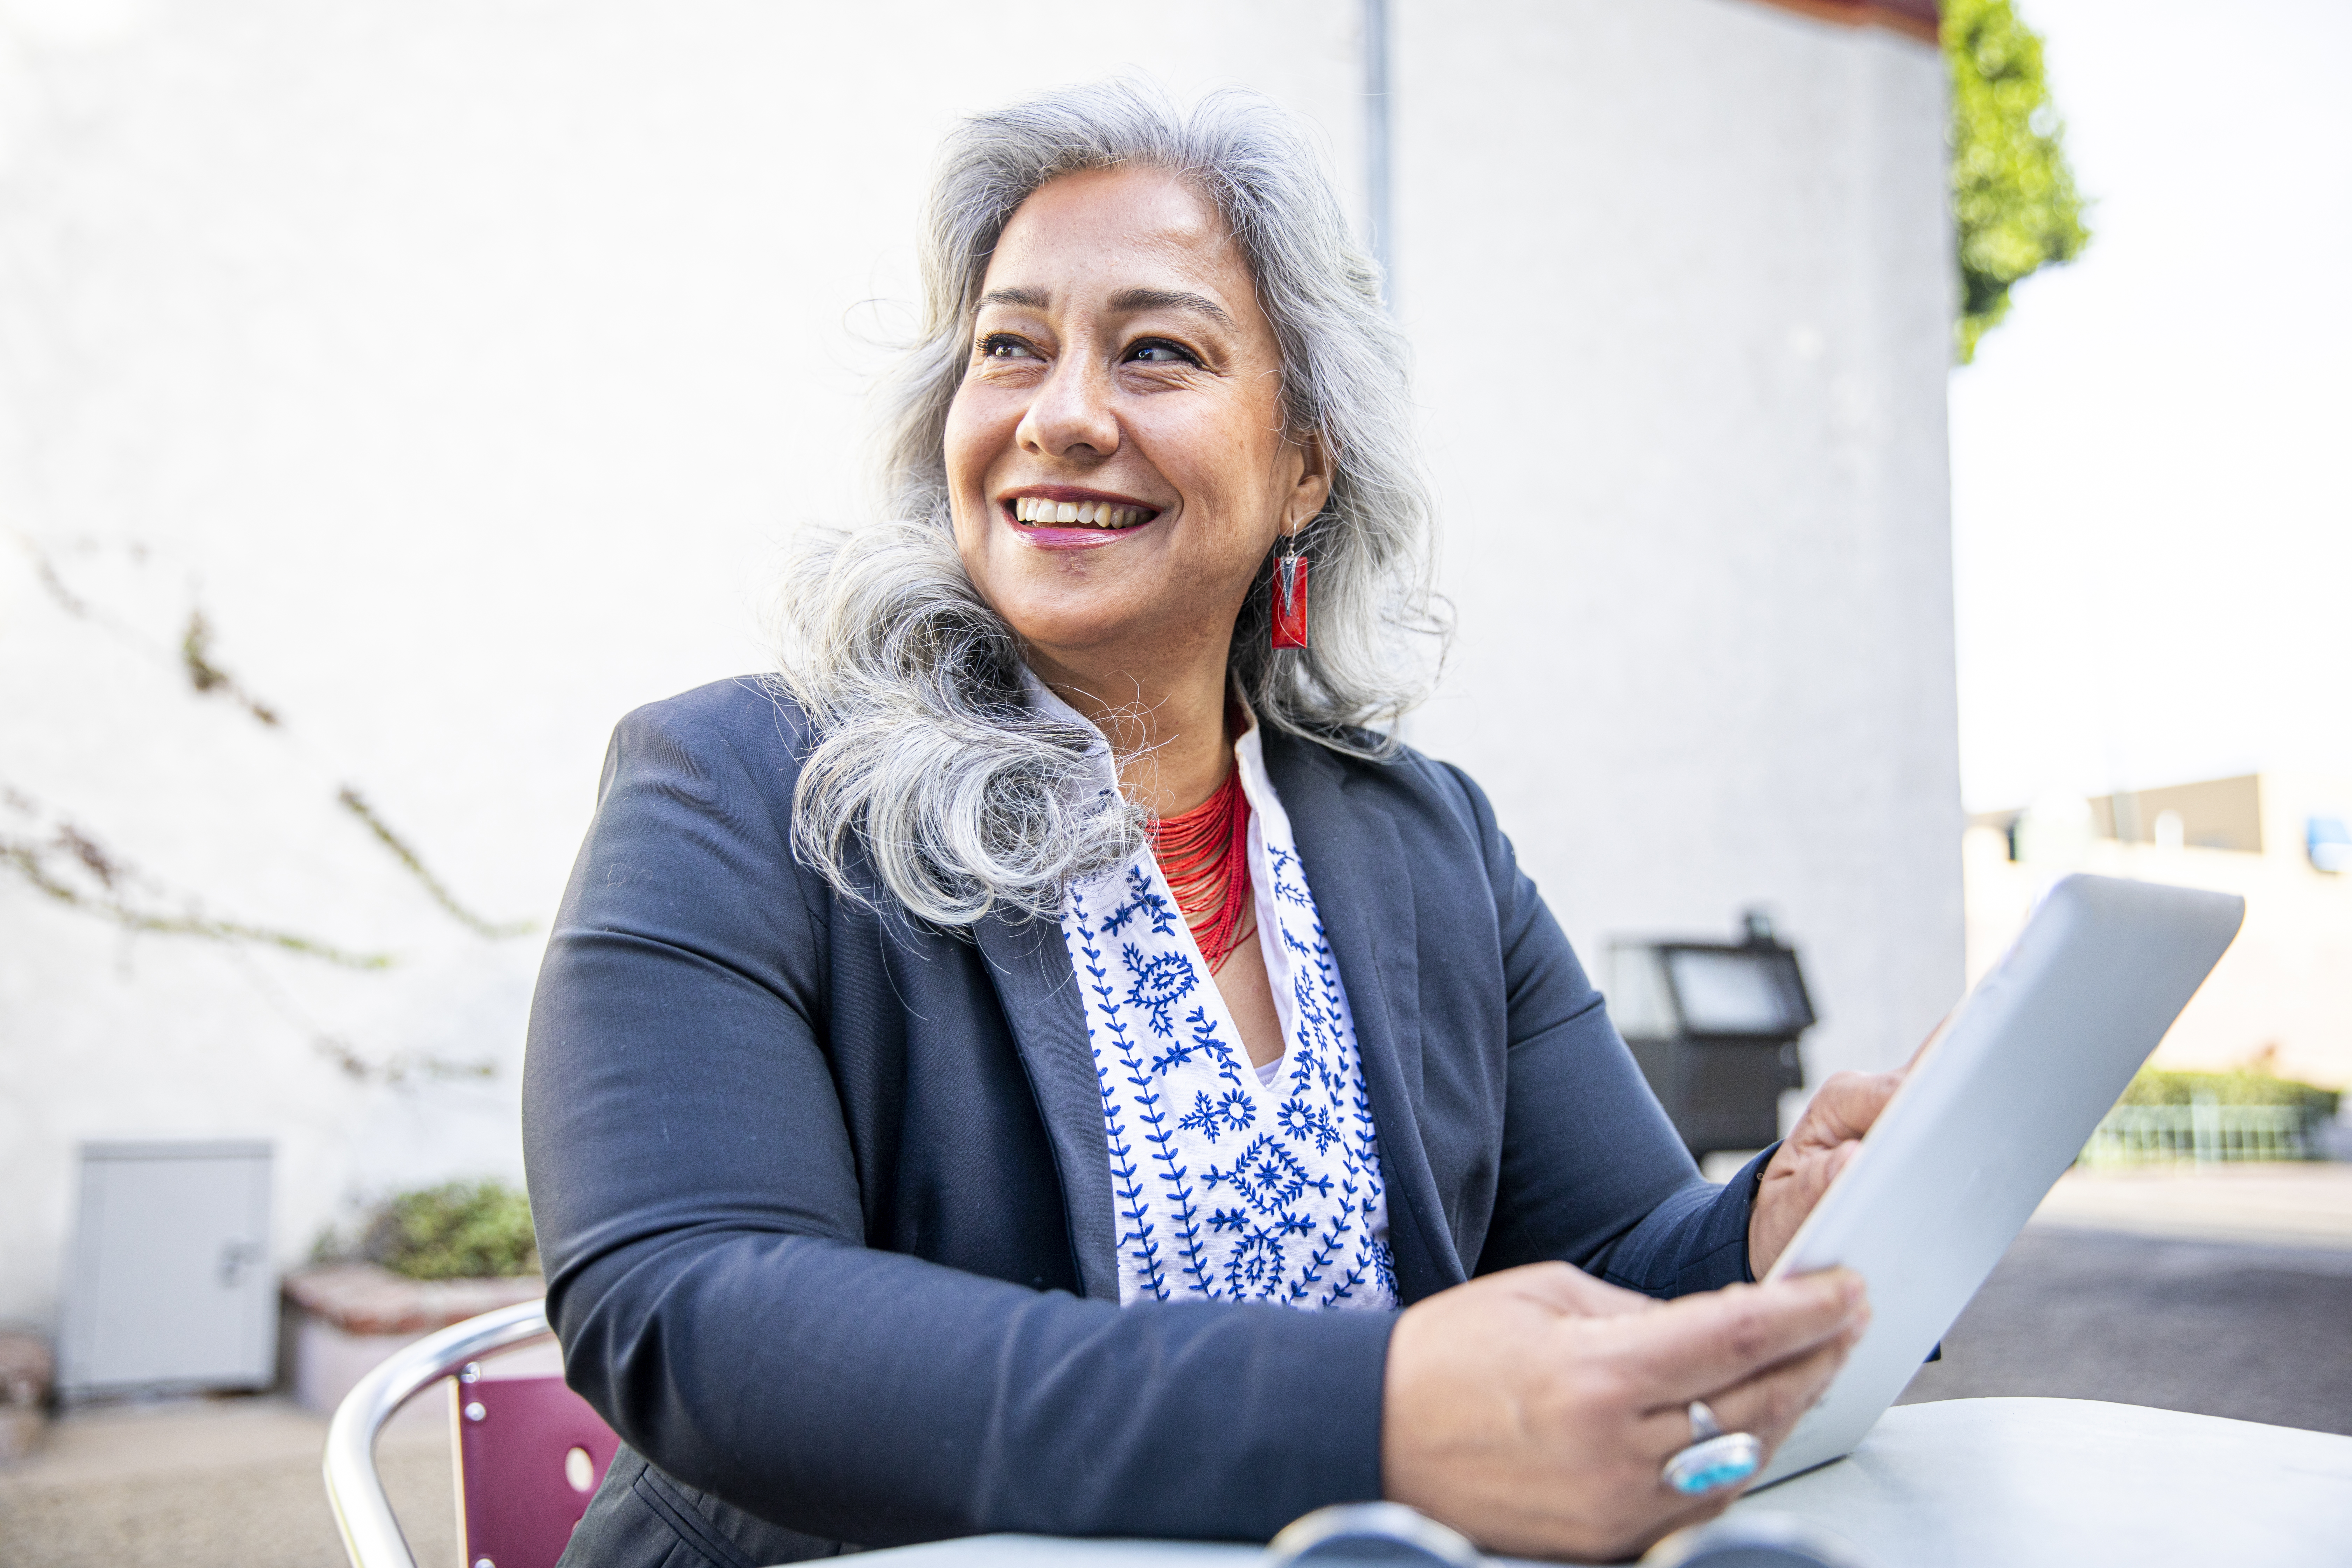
(1132, 301)
(1026, 298)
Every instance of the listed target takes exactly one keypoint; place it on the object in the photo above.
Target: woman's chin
(1071, 635)
(1053, 607)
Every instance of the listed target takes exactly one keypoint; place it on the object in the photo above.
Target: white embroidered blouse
(1228, 1186)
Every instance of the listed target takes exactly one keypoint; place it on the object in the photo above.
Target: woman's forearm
(870, 1397)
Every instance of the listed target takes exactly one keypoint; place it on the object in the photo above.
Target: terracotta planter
(349, 1316)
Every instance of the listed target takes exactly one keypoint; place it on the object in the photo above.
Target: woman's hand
(1534, 1409)
(1824, 1142)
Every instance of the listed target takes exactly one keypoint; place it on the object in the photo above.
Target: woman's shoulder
(750, 716)
(1397, 779)
(733, 747)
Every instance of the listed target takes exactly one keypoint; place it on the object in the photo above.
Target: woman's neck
(1168, 732)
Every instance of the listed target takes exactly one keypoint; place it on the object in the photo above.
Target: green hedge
(459, 1230)
(2155, 1086)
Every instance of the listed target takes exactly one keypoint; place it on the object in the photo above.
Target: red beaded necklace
(1204, 855)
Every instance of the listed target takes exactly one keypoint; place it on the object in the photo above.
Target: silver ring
(1715, 1459)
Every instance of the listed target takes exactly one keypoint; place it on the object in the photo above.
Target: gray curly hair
(965, 797)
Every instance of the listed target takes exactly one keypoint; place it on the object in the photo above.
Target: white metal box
(170, 1284)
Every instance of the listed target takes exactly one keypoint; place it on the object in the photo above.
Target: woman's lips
(1050, 523)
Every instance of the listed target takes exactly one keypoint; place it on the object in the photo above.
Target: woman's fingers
(1570, 1290)
(1700, 1343)
(1822, 1144)
(1769, 1405)
(1534, 1408)
(1843, 1108)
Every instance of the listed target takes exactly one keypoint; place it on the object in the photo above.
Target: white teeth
(1086, 514)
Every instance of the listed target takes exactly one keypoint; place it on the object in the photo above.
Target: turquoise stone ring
(1715, 1458)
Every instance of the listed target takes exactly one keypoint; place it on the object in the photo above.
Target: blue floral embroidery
(1268, 1177)
(1161, 980)
(1142, 900)
(1204, 1038)
(1254, 1270)
(1217, 1194)
(1127, 1190)
(1289, 886)
(1229, 1112)
(1304, 1122)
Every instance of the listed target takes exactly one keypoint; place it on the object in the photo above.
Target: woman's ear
(1313, 486)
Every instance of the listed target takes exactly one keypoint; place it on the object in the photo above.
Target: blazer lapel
(1362, 886)
(1030, 964)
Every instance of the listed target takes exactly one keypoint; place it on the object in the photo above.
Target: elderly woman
(1052, 1062)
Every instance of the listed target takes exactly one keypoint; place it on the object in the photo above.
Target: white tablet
(1996, 1109)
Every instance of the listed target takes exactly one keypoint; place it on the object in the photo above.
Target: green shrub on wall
(2014, 205)
(459, 1230)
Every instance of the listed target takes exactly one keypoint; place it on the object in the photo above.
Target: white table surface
(1967, 1483)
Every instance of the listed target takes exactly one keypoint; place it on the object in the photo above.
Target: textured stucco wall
(465, 363)
(1677, 274)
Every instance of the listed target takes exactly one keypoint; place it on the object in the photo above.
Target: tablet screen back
(1988, 1122)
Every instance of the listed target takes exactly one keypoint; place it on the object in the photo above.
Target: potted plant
(419, 1261)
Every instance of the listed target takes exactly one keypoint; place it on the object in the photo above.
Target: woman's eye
(1159, 351)
(999, 346)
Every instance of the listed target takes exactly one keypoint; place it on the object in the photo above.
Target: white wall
(1677, 277)
(468, 362)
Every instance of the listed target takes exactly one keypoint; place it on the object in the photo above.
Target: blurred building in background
(2281, 999)
(391, 396)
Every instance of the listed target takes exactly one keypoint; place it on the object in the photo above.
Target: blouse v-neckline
(1222, 1186)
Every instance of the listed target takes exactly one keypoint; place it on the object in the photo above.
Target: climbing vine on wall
(74, 867)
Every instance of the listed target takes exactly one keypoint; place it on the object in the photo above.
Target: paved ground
(2260, 1333)
(2226, 1291)
(220, 1483)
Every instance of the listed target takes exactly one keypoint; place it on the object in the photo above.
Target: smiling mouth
(1036, 512)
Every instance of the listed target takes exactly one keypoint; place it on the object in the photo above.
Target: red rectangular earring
(1288, 591)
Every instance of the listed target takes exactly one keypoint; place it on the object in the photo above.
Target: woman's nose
(1072, 416)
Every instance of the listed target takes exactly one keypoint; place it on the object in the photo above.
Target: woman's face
(1122, 371)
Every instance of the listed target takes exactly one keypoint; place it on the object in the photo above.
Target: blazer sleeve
(698, 1211)
(1592, 1172)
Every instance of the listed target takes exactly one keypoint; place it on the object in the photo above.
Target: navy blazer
(825, 1206)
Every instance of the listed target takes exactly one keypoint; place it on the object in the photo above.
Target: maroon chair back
(530, 1454)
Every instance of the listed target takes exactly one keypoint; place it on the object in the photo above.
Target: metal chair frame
(372, 1536)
